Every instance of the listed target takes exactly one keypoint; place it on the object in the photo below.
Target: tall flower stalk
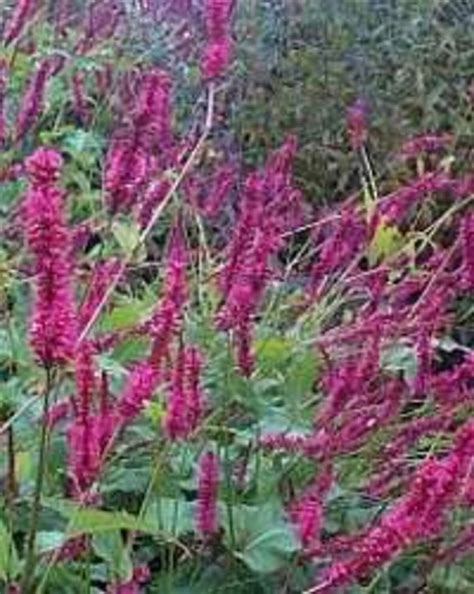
(53, 323)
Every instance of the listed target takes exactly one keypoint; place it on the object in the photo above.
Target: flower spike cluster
(53, 327)
(94, 424)
(142, 149)
(419, 515)
(218, 49)
(186, 399)
(166, 321)
(270, 205)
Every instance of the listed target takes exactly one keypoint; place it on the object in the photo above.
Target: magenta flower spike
(207, 519)
(32, 103)
(3, 96)
(218, 50)
(357, 124)
(23, 12)
(53, 327)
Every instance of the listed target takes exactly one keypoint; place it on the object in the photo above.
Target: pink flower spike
(176, 422)
(357, 124)
(102, 275)
(427, 143)
(23, 12)
(44, 167)
(154, 194)
(86, 380)
(3, 96)
(467, 238)
(85, 452)
(126, 173)
(166, 320)
(217, 53)
(79, 98)
(32, 103)
(193, 362)
(207, 521)
(53, 327)
(216, 58)
(152, 117)
(307, 512)
(222, 184)
(139, 387)
(217, 14)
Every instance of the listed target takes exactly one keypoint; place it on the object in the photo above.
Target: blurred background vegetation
(303, 62)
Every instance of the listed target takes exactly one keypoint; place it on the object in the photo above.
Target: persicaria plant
(210, 384)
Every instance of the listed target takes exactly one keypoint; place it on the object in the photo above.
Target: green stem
(227, 468)
(229, 497)
(10, 491)
(370, 174)
(30, 543)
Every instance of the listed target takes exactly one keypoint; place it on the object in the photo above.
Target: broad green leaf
(82, 141)
(127, 235)
(452, 579)
(110, 547)
(95, 521)
(130, 350)
(112, 366)
(273, 352)
(301, 375)
(264, 540)
(171, 517)
(48, 541)
(126, 314)
(401, 358)
(155, 411)
(8, 553)
(127, 479)
(387, 241)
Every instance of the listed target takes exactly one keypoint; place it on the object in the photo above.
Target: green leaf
(127, 234)
(450, 580)
(128, 313)
(264, 540)
(130, 350)
(401, 358)
(95, 521)
(273, 353)
(171, 517)
(49, 541)
(110, 547)
(387, 241)
(80, 141)
(8, 554)
(301, 375)
(112, 366)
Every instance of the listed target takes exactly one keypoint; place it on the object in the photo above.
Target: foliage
(303, 63)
